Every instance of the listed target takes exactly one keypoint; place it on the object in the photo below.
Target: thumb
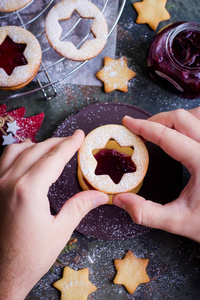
(148, 213)
(75, 209)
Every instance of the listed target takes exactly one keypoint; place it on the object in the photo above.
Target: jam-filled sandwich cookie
(20, 57)
(113, 160)
(63, 11)
(11, 5)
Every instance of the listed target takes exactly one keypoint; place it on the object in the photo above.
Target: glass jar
(174, 57)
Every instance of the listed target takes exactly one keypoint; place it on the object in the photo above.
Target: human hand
(177, 133)
(30, 237)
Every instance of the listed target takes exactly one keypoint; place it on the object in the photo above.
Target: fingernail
(27, 141)
(101, 200)
(78, 131)
(116, 201)
(127, 117)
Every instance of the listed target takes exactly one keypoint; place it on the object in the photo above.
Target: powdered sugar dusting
(97, 139)
(109, 222)
(10, 5)
(115, 74)
(86, 9)
(32, 53)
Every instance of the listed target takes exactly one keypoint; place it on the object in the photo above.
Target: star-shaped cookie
(115, 74)
(131, 271)
(151, 12)
(75, 285)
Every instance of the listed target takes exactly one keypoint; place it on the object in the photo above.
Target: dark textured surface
(173, 261)
(160, 184)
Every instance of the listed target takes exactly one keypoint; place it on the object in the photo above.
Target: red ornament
(28, 127)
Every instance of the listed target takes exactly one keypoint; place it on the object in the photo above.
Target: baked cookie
(151, 12)
(112, 156)
(11, 5)
(131, 271)
(63, 11)
(113, 160)
(20, 57)
(115, 74)
(75, 285)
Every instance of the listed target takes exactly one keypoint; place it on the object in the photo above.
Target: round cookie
(11, 5)
(98, 139)
(110, 145)
(29, 61)
(85, 186)
(63, 11)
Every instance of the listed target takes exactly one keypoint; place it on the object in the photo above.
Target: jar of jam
(174, 57)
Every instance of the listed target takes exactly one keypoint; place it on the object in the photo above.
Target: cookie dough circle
(21, 75)
(11, 5)
(87, 10)
(97, 139)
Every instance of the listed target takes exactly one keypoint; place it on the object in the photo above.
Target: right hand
(178, 134)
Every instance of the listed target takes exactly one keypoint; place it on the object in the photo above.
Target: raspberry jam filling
(111, 162)
(174, 57)
(11, 55)
(186, 48)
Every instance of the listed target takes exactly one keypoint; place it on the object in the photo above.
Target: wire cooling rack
(32, 17)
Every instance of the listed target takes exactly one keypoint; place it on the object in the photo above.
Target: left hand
(30, 237)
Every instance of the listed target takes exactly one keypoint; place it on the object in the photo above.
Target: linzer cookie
(131, 271)
(75, 285)
(11, 5)
(151, 12)
(113, 160)
(115, 74)
(63, 11)
(20, 57)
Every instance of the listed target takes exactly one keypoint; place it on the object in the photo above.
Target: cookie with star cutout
(75, 285)
(20, 57)
(108, 163)
(115, 74)
(10, 5)
(151, 12)
(87, 10)
(131, 271)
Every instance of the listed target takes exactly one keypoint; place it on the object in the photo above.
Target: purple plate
(162, 182)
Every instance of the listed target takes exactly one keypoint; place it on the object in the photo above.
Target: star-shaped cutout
(115, 74)
(8, 139)
(151, 12)
(11, 55)
(75, 285)
(131, 271)
(114, 161)
(13, 127)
